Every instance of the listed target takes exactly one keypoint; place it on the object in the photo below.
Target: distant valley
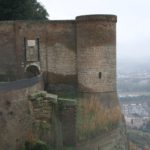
(133, 83)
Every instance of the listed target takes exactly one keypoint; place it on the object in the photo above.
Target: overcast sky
(133, 26)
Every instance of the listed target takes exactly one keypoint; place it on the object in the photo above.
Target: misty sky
(133, 26)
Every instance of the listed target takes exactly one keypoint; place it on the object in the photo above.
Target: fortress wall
(31, 30)
(12, 46)
(61, 54)
(99, 112)
(7, 50)
(96, 53)
(61, 49)
(57, 46)
(72, 53)
(15, 117)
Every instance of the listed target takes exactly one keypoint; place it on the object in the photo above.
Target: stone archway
(32, 71)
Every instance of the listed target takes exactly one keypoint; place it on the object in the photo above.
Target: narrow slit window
(100, 75)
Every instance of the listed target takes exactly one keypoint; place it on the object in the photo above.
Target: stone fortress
(75, 61)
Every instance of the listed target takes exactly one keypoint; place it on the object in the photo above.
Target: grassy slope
(139, 138)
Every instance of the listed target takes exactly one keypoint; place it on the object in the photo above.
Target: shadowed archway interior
(32, 71)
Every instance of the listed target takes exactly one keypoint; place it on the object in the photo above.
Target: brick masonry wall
(12, 46)
(94, 42)
(61, 47)
(96, 53)
(31, 30)
(56, 44)
(61, 53)
(15, 117)
(68, 121)
(72, 53)
(7, 50)
(98, 113)
(61, 57)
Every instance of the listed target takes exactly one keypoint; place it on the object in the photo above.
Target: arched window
(32, 71)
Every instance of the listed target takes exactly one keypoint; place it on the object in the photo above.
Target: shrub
(38, 145)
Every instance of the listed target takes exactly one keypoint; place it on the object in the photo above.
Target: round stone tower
(99, 114)
(96, 53)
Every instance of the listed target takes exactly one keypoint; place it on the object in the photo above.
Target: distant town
(133, 82)
(134, 94)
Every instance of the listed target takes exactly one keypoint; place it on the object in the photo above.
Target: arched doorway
(32, 71)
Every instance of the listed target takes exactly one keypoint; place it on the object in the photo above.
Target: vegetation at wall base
(94, 119)
(37, 145)
(69, 148)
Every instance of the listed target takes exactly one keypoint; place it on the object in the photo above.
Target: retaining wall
(15, 118)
